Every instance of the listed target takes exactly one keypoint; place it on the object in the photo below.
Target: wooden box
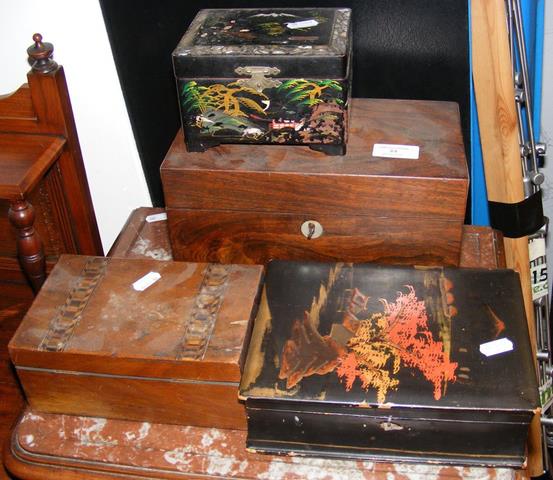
(250, 204)
(279, 76)
(145, 235)
(391, 363)
(93, 345)
(481, 247)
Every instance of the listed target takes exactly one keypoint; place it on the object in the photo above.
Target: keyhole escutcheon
(311, 229)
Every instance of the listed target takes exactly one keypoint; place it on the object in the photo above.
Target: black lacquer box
(267, 76)
(391, 363)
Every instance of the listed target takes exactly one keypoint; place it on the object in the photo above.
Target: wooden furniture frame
(42, 175)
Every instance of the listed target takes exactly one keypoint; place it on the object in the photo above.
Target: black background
(292, 286)
(410, 49)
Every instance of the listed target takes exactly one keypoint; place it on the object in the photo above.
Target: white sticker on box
(302, 24)
(496, 347)
(146, 281)
(386, 150)
(157, 217)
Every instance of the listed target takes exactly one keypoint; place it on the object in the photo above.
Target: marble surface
(149, 450)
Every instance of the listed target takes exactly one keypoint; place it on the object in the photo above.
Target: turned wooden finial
(40, 55)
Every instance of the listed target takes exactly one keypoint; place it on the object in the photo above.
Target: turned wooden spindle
(29, 246)
(40, 55)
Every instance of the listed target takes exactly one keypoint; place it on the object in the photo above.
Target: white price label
(302, 24)
(146, 281)
(537, 248)
(496, 347)
(386, 150)
(538, 272)
(540, 287)
(157, 217)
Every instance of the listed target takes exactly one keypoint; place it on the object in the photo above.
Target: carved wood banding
(204, 313)
(64, 323)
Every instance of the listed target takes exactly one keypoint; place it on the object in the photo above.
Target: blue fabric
(533, 20)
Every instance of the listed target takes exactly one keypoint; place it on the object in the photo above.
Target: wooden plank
(494, 88)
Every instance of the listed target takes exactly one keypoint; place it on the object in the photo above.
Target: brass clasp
(258, 80)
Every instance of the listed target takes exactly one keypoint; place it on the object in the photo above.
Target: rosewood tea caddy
(254, 203)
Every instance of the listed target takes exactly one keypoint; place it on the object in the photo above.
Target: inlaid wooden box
(93, 345)
(265, 76)
(253, 203)
(391, 363)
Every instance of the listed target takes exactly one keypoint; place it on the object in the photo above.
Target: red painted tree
(386, 341)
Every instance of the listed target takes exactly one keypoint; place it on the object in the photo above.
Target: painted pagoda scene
(295, 111)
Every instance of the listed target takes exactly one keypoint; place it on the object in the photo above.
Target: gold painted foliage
(371, 358)
(233, 99)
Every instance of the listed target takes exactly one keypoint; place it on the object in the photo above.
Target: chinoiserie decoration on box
(268, 76)
(396, 363)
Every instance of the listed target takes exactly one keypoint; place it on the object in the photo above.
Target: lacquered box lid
(383, 336)
(220, 40)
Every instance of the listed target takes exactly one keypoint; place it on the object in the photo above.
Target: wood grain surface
(43, 107)
(24, 160)
(258, 186)
(433, 126)
(173, 401)
(140, 238)
(14, 302)
(17, 104)
(494, 88)
(481, 247)
(255, 238)
(71, 460)
(96, 346)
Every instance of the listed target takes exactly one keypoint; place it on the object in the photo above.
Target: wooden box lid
(294, 179)
(192, 323)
